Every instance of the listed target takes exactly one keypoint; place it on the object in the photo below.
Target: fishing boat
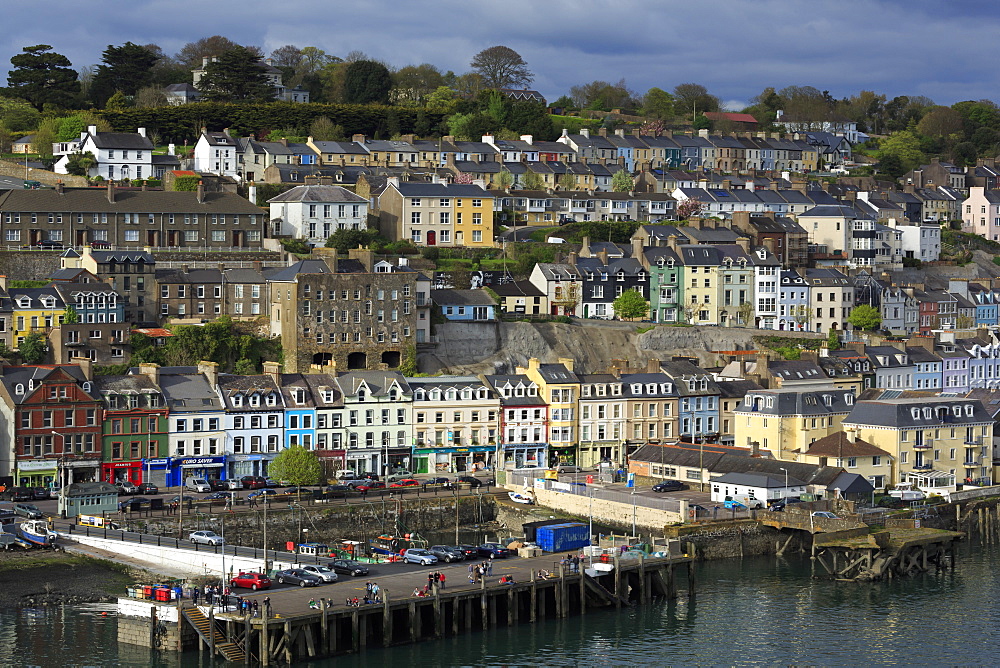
(36, 532)
(388, 544)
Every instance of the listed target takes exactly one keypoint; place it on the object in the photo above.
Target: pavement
(11, 183)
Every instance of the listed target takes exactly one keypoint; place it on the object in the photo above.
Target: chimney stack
(273, 369)
(211, 372)
(151, 371)
(111, 192)
(201, 192)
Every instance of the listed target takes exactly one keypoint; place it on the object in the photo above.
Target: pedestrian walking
(471, 568)
(489, 564)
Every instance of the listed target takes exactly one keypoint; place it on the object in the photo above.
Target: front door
(431, 238)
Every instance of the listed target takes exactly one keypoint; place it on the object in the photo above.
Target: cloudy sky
(733, 47)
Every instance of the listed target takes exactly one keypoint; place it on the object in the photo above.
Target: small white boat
(518, 497)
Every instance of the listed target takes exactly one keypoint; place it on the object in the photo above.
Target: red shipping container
(147, 591)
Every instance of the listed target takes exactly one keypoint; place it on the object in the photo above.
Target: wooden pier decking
(294, 632)
(892, 552)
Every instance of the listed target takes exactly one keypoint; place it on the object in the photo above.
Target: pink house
(981, 213)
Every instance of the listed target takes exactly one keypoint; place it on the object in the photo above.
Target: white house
(314, 213)
(216, 153)
(754, 490)
(119, 155)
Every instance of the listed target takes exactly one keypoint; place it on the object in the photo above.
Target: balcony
(922, 467)
(971, 464)
(977, 440)
(923, 446)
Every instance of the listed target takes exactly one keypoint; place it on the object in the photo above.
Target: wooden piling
(386, 619)
(288, 641)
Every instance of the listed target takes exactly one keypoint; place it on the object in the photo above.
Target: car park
(446, 553)
(406, 482)
(205, 537)
(252, 581)
(148, 488)
(297, 576)
(418, 555)
(496, 549)
(324, 573)
(349, 567)
(669, 486)
(28, 510)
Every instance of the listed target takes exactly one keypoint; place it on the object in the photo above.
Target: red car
(253, 581)
(409, 482)
(369, 485)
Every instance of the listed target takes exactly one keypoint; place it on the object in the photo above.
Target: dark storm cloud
(735, 48)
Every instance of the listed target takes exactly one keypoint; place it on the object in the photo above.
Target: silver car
(322, 572)
(419, 556)
(205, 538)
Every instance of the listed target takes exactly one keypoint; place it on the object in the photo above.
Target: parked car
(295, 491)
(271, 482)
(349, 567)
(437, 482)
(261, 494)
(181, 499)
(324, 573)
(446, 553)
(297, 576)
(368, 485)
(49, 244)
(100, 244)
(468, 551)
(496, 549)
(399, 474)
(125, 487)
(41, 493)
(338, 491)
(205, 537)
(669, 486)
(417, 555)
(223, 485)
(406, 482)
(21, 494)
(347, 474)
(29, 510)
(825, 514)
(370, 476)
(473, 482)
(217, 496)
(253, 482)
(148, 488)
(733, 504)
(253, 581)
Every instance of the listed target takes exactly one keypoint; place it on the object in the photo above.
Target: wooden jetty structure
(336, 629)
(865, 555)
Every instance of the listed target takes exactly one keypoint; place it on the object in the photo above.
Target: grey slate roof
(90, 200)
(319, 194)
(378, 382)
(462, 298)
(798, 402)
(899, 413)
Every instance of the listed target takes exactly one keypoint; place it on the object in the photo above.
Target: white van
(197, 484)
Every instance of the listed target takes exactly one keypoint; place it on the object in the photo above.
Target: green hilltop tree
(865, 317)
(367, 82)
(297, 466)
(631, 305)
(125, 68)
(41, 76)
(32, 348)
(236, 76)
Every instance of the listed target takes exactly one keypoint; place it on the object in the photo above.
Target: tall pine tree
(236, 76)
(125, 68)
(40, 76)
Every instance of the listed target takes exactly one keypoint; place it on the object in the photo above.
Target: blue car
(496, 549)
(261, 494)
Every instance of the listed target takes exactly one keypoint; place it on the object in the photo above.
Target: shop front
(524, 455)
(243, 465)
(196, 467)
(594, 453)
(37, 472)
(155, 471)
(399, 459)
(563, 455)
(364, 461)
(331, 461)
(122, 472)
(453, 460)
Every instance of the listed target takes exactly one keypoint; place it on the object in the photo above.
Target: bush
(432, 254)
(297, 246)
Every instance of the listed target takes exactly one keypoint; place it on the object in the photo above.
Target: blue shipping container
(563, 537)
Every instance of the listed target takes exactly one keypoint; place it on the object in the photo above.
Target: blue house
(300, 410)
(93, 302)
(465, 305)
(698, 400)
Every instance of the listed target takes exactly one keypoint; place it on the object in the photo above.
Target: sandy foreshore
(39, 577)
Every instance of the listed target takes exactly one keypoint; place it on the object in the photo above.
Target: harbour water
(750, 611)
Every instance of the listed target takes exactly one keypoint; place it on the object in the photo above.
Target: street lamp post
(590, 553)
(60, 467)
(785, 497)
(222, 524)
(633, 514)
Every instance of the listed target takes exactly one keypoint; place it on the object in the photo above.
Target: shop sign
(39, 465)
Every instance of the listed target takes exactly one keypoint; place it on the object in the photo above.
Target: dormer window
(255, 400)
(419, 395)
(272, 400)
(237, 400)
(19, 388)
(393, 394)
(636, 388)
(915, 413)
(927, 413)
(362, 392)
(849, 399)
(968, 410)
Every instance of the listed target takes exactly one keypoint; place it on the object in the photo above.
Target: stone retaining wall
(12, 169)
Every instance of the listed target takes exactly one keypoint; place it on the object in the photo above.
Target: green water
(750, 611)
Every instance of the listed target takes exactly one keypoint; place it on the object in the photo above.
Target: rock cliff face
(491, 348)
